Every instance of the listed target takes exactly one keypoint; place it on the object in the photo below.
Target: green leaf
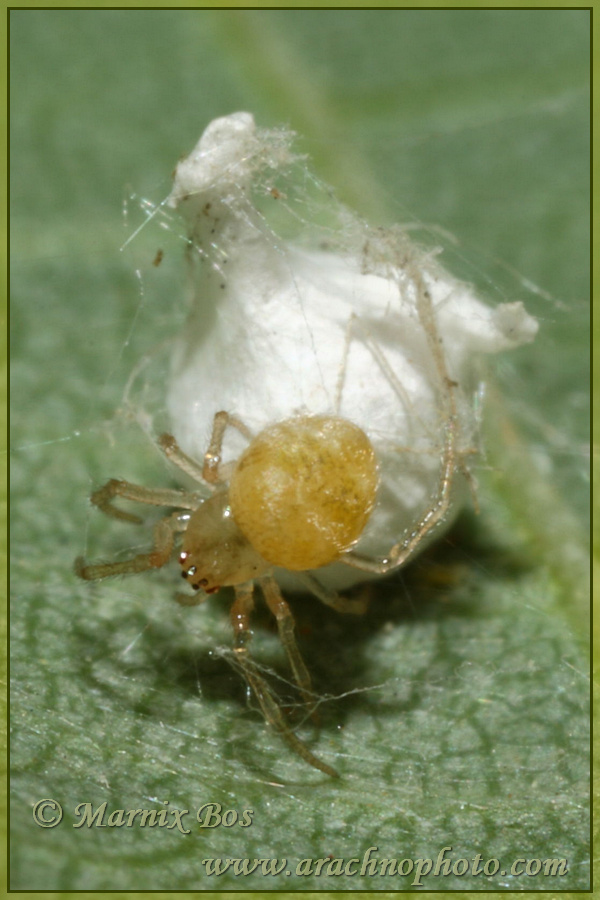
(460, 710)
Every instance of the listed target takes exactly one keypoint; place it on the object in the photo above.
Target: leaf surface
(459, 715)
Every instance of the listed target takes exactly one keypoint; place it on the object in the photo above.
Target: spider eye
(187, 573)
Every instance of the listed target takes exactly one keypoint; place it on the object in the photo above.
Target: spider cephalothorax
(214, 552)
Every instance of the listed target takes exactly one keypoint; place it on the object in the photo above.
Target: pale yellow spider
(299, 498)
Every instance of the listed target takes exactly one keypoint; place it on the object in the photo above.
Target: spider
(299, 498)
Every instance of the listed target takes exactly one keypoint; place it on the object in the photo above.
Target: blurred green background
(476, 736)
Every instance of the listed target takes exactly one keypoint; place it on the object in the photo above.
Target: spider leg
(450, 455)
(240, 618)
(404, 549)
(355, 325)
(355, 606)
(175, 454)
(103, 497)
(164, 540)
(285, 626)
(212, 471)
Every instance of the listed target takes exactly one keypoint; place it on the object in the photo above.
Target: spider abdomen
(303, 490)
